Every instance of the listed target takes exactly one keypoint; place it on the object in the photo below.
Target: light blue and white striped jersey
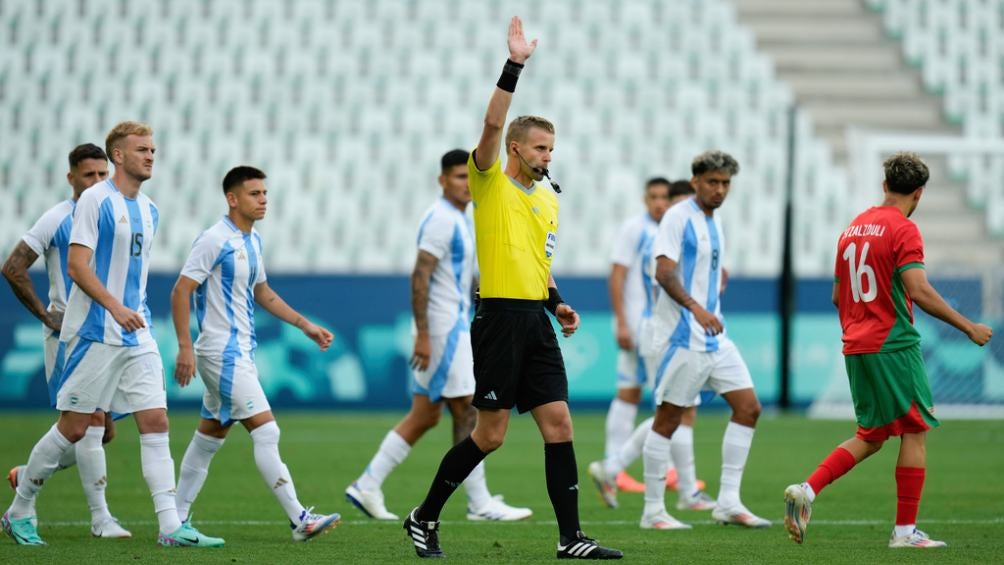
(227, 263)
(120, 231)
(696, 243)
(49, 238)
(447, 234)
(633, 249)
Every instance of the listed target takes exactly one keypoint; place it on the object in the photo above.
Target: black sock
(563, 486)
(457, 464)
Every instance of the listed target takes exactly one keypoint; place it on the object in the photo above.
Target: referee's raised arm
(487, 151)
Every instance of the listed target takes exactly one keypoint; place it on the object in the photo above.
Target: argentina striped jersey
(49, 238)
(447, 234)
(120, 233)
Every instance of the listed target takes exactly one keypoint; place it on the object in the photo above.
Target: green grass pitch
(963, 498)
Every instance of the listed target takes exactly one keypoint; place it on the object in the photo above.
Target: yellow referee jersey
(516, 231)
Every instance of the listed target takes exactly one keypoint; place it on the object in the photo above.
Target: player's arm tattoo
(665, 275)
(15, 270)
(421, 277)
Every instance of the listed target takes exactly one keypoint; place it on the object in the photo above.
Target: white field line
(923, 522)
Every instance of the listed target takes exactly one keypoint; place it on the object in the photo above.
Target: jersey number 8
(859, 273)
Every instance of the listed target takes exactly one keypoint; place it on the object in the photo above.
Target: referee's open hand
(568, 318)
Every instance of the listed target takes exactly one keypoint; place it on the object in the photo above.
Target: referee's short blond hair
(519, 127)
(123, 130)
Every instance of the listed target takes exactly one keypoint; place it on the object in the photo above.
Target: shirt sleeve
(908, 247)
(481, 179)
(669, 238)
(40, 235)
(434, 236)
(86, 217)
(201, 259)
(626, 245)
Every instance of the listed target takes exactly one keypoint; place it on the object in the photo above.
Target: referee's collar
(527, 191)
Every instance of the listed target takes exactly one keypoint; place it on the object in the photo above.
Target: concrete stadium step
(783, 30)
(855, 86)
(905, 114)
(846, 58)
(799, 7)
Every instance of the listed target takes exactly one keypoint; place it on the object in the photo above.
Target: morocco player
(879, 275)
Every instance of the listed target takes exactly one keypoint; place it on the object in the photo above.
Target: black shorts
(517, 361)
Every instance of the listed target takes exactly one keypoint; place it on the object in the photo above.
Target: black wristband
(510, 74)
(553, 300)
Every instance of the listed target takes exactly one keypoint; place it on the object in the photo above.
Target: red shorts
(910, 423)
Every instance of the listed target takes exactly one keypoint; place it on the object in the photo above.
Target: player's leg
(656, 457)
(365, 493)
(207, 440)
(730, 377)
(620, 421)
(86, 386)
(910, 473)
(690, 490)
(265, 434)
(606, 474)
(93, 469)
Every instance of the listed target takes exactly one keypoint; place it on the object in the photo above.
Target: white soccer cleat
(797, 511)
(313, 525)
(607, 486)
(662, 521)
(109, 528)
(916, 540)
(498, 511)
(369, 501)
(740, 516)
(699, 501)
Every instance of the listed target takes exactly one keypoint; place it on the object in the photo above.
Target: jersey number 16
(862, 275)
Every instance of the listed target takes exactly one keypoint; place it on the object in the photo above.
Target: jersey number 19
(862, 275)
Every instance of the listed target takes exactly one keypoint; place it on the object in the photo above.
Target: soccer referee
(517, 361)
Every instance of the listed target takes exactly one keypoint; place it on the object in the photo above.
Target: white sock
(620, 422)
(158, 470)
(194, 470)
(68, 459)
(656, 457)
(93, 470)
(42, 463)
(273, 471)
(393, 450)
(901, 531)
(629, 451)
(735, 449)
(477, 487)
(682, 451)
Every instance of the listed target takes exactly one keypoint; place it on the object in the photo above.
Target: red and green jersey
(876, 313)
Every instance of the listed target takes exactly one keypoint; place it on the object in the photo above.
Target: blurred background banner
(366, 367)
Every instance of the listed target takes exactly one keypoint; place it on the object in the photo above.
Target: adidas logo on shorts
(491, 396)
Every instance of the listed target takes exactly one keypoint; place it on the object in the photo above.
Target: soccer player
(112, 361)
(226, 273)
(879, 275)
(517, 360)
(688, 251)
(442, 359)
(50, 237)
(633, 261)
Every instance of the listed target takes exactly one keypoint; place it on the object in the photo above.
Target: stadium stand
(347, 105)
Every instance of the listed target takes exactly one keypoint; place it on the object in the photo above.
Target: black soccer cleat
(581, 547)
(425, 536)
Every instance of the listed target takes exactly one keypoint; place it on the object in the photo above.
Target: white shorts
(233, 391)
(112, 378)
(682, 374)
(55, 354)
(451, 368)
(651, 366)
(631, 370)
